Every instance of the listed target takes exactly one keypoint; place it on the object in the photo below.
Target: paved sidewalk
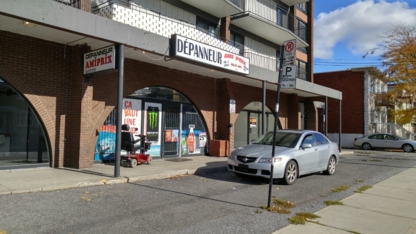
(48, 179)
(388, 207)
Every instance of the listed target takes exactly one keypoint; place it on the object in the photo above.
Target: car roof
(295, 131)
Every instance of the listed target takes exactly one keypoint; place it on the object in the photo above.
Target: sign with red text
(100, 60)
(289, 52)
(186, 48)
(132, 115)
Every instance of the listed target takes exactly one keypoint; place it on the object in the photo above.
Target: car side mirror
(304, 146)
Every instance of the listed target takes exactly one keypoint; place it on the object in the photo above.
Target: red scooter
(129, 144)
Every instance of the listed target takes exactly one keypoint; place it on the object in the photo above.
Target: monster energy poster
(152, 126)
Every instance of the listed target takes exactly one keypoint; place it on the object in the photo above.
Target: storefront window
(156, 113)
(18, 124)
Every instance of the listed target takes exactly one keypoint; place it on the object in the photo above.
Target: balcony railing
(74, 3)
(271, 12)
(158, 23)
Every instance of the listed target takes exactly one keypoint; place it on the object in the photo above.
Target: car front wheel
(291, 173)
(332, 163)
(408, 148)
(366, 146)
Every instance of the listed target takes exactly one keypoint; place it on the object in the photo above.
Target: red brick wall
(351, 84)
(73, 110)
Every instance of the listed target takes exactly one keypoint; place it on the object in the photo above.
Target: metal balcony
(293, 2)
(271, 22)
(218, 8)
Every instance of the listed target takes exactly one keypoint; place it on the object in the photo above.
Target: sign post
(287, 56)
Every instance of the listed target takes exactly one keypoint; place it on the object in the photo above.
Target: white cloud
(358, 25)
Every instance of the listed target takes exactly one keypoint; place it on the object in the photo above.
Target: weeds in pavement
(280, 206)
(302, 217)
(340, 188)
(331, 203)
(359, 181)
(363, 188)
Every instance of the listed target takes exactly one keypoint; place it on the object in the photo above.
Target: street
(207, 203)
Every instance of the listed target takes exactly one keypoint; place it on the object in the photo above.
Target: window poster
(152, 126)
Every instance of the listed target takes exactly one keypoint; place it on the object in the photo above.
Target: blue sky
(346, 29)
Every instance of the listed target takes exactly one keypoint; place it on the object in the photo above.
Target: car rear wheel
(291, 173)
(332, 163)
(366, 146)
(408, 148)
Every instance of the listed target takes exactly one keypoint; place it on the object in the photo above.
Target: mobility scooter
(129, 144)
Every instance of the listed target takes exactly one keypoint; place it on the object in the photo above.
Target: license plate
(243, 166)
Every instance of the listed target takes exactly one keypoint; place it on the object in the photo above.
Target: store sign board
(288, 77)
(100, 60)
(186, 48)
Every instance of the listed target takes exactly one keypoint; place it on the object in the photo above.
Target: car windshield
(283, 139)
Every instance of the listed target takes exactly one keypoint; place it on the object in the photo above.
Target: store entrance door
(171, 133)
(254, 126)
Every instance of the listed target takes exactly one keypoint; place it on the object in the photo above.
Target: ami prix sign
(186, 48)
(100, 60)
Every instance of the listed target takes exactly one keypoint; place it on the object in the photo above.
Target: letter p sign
(288, 69)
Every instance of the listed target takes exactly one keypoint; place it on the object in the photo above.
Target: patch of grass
(359, 181)
(340, 188)
(276, 209)
(363, 188)
(283, 203)
(331, 203)
(297, 220)
(302, 217)
(258, 212)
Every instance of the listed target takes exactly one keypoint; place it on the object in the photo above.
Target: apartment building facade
(188, 67)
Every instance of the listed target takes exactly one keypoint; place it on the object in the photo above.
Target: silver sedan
(297, 152)
(384, 141)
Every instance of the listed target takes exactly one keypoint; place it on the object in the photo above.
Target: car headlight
(232, 156)
(269, 160)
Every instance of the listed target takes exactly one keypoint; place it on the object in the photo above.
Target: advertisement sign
(131, 115)
(186, 48)
(232, 106)
(152, 126)
(253, 122)
(202, 139)
(288, 80)
(171, 135)
(100, 60)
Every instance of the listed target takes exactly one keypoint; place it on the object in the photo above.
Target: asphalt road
(210, 203)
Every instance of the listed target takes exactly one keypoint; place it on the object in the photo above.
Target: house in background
(400, 100)
(362, 114)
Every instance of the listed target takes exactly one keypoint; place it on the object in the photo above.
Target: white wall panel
(260, 54)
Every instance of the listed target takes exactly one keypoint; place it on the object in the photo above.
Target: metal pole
(326, 116)
(180, 131)
(120, 62)
(340, 124)
(263, 111)
(275, 127)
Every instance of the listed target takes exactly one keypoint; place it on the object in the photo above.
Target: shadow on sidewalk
(87, 172)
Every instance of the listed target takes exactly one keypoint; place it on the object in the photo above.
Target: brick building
(361, 114)
(53, 113)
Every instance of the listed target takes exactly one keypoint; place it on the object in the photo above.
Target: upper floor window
(301, 70)
(208, 27)
(303, 7)
(237, 41)
(301, 30)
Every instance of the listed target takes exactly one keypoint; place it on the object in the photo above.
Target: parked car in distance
(384, 141)
(297, 152)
